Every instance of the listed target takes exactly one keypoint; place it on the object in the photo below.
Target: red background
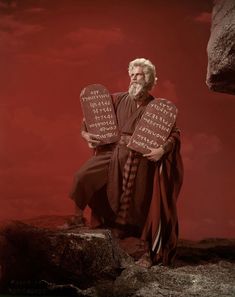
(50, 50)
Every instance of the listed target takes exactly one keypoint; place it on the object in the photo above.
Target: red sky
(50, 50)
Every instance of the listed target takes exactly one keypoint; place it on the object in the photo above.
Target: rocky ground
(38, 258)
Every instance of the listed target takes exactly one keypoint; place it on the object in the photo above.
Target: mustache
(141, 83)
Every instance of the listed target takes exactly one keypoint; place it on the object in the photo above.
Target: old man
(146, 209)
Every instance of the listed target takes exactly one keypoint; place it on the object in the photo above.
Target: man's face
(137, 88)
(137, 75)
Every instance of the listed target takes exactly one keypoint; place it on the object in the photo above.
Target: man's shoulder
(119, 95)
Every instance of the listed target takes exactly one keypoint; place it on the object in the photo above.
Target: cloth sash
(129, 175)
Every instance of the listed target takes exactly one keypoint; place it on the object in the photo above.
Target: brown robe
(154, 216)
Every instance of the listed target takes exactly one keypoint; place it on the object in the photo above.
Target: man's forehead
(137, 69)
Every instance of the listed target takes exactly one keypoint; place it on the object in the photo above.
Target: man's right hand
(92, 139)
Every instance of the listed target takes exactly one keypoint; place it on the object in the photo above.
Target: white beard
(138, 91)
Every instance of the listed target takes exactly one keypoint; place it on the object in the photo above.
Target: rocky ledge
(38, 258)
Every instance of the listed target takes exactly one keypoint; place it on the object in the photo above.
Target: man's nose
(134, 78)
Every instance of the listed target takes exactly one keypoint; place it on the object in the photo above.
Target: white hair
(148, 69)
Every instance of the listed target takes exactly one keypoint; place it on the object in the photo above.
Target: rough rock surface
(79, 256)
(202, 280)
(221, 48)
(39, 259)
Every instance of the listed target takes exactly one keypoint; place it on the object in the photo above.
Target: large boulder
(79, 256)
(221, 48)
(38, 258)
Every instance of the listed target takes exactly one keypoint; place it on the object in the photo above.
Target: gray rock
(79, 256)
(221, 48)
(212, 280)
(38, 260)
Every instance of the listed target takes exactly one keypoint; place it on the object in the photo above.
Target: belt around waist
(124, 140)
(105, 147)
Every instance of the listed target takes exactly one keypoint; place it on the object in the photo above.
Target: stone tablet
(154, 126)
(98, 110)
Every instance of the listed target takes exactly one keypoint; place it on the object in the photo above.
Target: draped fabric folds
(139, 192)
(154, 187)
(161, 226)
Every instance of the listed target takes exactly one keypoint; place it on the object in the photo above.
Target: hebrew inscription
(99, 113)
(154, 126)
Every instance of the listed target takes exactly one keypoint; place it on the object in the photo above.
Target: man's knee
(80, 177)
(86, 182)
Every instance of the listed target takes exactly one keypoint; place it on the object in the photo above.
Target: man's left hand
(155, 154)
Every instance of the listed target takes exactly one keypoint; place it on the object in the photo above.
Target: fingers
(149, 154)
(155, 159)
(89, 136)
(152, 158)
(154, 155)
(93, 141)
(90, 145)
(94, 137)
(153, 152)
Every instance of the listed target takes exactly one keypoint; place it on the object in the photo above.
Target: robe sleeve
(174, 136)
(116, 98)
